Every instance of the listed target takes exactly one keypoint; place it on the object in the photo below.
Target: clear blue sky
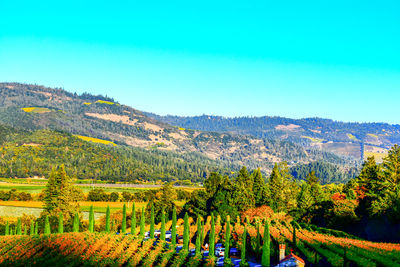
(333, 59)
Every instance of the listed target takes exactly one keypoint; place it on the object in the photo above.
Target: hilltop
(33, 107)
(358, 140)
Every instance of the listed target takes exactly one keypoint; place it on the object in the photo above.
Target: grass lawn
(28, 188)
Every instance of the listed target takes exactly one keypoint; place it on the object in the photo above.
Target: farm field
(111, 249)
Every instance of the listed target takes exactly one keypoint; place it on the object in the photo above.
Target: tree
(19, 227)
(162, 234)
(198, 237)
(123, 226)
(173, 227)
(36, 228)
(25, 231)
(212, 237)
(282, 188)
(76, 223)
(47, 226)
(315, 187)
(259, 188)
(133, 220)
(91, 219)
(60, 223)
(186, 232)
(7, 230)
(265, 258)
(152, 222)
(108, 229)
(227, 260)
(32, 228)
(243, 248)
(305, 200)
(142, 222)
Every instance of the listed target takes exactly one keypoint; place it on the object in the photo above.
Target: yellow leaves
(36, 110)
(95, 140)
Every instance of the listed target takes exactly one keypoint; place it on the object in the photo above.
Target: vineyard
(331, 248)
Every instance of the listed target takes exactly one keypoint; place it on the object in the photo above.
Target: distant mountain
(33, 107)
(358, 140)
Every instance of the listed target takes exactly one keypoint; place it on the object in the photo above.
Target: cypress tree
(108, 229)
(243, 250)
(173, 227)
(198, 236)
(91, 219)
(75, 227)
(32, 229)
(12, 231)
(162, 237)
(7, 230)
(212, 237)
(60, 223)
(47, 226)
(123, 226)
(186, 232)
(142, 224)
(133, 220)
(152, 221)
(227, 239)
(265, 258)
(25, 230)
(36, 228)
(19, 227)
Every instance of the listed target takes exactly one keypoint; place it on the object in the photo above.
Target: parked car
(233, 252)
(220, 261)
(178, 248)
(168, 235)
(220, 252)
(192, 252)
(236, 262)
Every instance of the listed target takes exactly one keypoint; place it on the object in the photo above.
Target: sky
(331, 59)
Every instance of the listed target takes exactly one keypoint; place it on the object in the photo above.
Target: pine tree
(75, 227)
(198, 236)
(7, 230)
(243, 250)
(173, 227)
(152, 222)
(265, 258)
(133, 220)
(47, 226)
(32, 228)
(19, 227)
(142, 222)
(60, 223)
(162, 235)
(212, 237)
(108, 229)
(123, 226)
(186, 232)
(259, 188)
(227, 260)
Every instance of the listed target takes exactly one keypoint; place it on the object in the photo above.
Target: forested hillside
(28, 154)
(32, 107)
(335, 136)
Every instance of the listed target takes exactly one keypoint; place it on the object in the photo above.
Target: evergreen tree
(305, 200)
(108, 229)
(315, 187)
(25, 230)
(162, 234)
(19, 227)
(75, 227)
(123, 226)
(227, 260)
(60, 223)
(212, 237)
(259, 188)
(12, 231)
(265, 258)
(36, 228)
(198, 236)
(152, 222)
(173, 227)
(133, 220)
(142, 222)
(32, 228)
(47, 226)
(243, 248)
(91, 219)
(186, 232)
(7, 230)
